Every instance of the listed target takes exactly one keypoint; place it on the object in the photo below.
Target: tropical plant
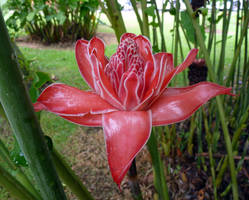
(54, 21)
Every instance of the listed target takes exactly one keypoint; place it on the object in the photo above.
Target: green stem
(133, 182)
(237, 52)
(13, 186)
(235, 140)
(18, 108)
(146, 30)
(69, 178)
(159, 176)
(140, 22)
(210, 152)
(218, 100)
(163, 45)
(19, 174)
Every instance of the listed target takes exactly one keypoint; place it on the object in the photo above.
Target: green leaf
(188, 27)
(39, 79)
(42, 79)
(60, 16)
(17, 156)
(150, 11)
(172, 11)
(154, 24)
(31, 16)
(204, 11)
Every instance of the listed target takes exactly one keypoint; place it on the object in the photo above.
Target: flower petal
(69, 101)
(188, 60)
(164, 60)
(177, 104)
(125, 135)
(144, 48)
(103, 85)
(98, 46)
(84, 63)
(129, 90)
(86, 120)
(127, 35)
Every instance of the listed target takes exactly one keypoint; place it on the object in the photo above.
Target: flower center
(122, 64)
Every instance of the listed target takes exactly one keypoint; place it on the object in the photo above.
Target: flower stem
(219, 103)
(19, 111)
(13, 186)
(159, 175)
(69, 178)
(133, 182)
(17, 171)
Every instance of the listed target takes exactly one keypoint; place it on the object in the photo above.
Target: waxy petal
(84, 63)
(129, 91)
(177, 104)
(125, 135)
(97, 46)
(144, 48)
(127, 35)
(188, 60)
(69, 101)
(164, 60)
(86, 120)
(103, 85)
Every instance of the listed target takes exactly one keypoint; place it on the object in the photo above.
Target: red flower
(129, 95)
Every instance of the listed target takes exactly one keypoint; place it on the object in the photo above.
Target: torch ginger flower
(128, 96)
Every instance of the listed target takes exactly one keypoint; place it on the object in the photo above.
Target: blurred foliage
(53, 21)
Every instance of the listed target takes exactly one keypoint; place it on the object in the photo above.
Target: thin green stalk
(146, 30)
(69, 178)
(237, 52)
(239, 166)
(133, 182)
(218, 100)
(163, 45)
(212, 26)
(19, 174)
(19, 110)
(191, 134)
(115, 17)
(210, 152)
(186, 38)
(176, 32)
(140, 22)
(225, 27)
(13, 186)
(201, 159)
(158, 169)
(236, 136)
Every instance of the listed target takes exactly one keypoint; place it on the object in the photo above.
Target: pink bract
(128, 95)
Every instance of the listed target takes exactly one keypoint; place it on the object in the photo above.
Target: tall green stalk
(237, 52)
(158, 167)
(69, 178)
(13, 186)
(114, 15)
(146, 30)
(17, 171)
(218, 100)
(18, 108)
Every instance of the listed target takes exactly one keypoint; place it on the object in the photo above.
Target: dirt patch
(86, 148)
(108, 38)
